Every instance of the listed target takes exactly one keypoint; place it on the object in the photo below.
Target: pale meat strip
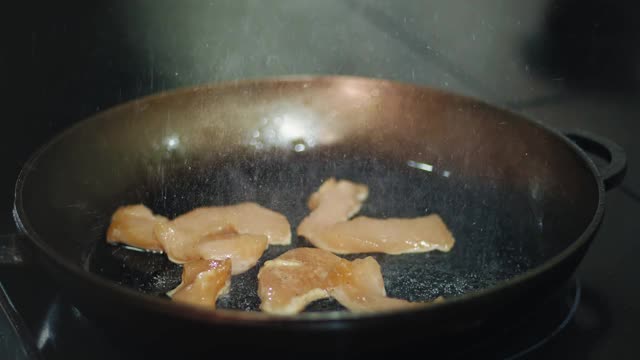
(328, 226)
(335, 201)
(287, 284)
(244, 250)
(203, 281)
(359, 286)
(133, 225)
(391, 236)
(180, 237)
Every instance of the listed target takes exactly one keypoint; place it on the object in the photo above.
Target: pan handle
(616, 167)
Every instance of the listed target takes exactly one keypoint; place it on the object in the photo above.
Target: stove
(569, 64)
(48, 326)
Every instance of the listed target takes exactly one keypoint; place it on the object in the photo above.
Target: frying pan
(522, 200)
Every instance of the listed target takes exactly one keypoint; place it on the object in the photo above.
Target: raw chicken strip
(244, 250)
(328, 226)
(358, 286)
(133, 225)
(180, 237)
(203, 281)
(334, 202)
(288, 283)
(390, 236)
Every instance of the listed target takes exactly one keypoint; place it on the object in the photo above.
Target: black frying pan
(522, 200)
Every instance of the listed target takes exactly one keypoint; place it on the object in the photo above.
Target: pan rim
(252, 318)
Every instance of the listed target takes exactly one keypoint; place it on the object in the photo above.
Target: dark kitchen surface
(569, 64)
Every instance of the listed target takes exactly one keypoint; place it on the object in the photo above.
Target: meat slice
(133, 225)
(391, 236)
(334, 202)
(181, 236)
(244, 250)
(328, 226)
(288, 283)
(203, 281)
(359, 286)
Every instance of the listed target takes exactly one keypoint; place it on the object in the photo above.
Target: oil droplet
(299, 145)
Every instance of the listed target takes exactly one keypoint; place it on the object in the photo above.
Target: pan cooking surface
(494, 226)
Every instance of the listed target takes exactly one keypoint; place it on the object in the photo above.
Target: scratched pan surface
(519, 198)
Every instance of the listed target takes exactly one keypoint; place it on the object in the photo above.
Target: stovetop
(52, 328)
(566, 63)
